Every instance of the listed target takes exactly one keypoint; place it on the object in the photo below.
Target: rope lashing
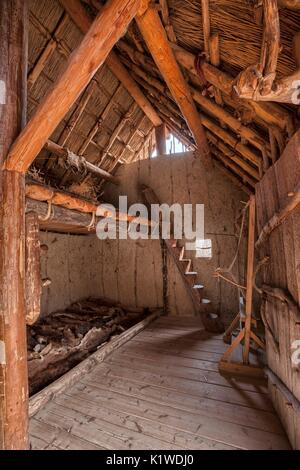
(49, 212)
(219, 272)
(92, 222)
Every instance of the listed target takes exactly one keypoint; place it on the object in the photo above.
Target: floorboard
(161, 390)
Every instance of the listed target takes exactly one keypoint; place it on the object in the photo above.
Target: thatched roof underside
(240, 46)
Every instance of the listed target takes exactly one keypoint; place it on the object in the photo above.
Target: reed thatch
(48, 20)
(240, 45)
(240, 36)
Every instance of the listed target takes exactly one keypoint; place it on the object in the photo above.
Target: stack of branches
(241, 37)
(61, 340)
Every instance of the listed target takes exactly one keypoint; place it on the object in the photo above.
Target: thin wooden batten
(81, 18)
(74, 160)
(108, 27)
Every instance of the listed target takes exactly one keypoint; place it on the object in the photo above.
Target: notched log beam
(258, 82)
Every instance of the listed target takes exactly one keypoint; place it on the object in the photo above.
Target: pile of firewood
(61, 340)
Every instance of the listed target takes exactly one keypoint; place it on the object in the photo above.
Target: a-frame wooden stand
(246, 334)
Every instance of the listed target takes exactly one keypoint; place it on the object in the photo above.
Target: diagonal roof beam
(105, 31)
(83, 21)
(156, 39)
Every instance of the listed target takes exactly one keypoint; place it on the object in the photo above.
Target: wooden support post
(156, 39)
(33, 269)
(108, 27)
(161, 136)
(80, 17)
(215, 60)
(249, 285)
(13, 348)
(246, 334)
(206, 27)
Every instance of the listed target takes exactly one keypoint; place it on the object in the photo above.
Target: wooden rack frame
(246, 334)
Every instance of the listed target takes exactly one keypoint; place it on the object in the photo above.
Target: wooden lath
(107, 28)
(258, 82)
(80, 17)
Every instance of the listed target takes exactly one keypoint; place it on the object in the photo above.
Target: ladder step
(191, 273)
(205, 301)
(198, 286)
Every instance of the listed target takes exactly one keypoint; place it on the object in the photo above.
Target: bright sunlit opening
(173, 145)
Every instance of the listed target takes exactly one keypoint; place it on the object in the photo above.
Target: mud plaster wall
(84, 266)
(130, 272)
(180, 179)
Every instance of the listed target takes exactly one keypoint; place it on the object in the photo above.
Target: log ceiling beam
(81, 18)
(270, 113)
(42, 193)
(105, 31)
(156, 39)
(77, 161)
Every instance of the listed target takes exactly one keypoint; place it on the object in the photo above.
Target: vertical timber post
(161, 136)
(13, 350)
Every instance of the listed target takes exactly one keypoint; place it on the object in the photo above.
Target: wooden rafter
(74, 119)
(47, 52)
(80, 17)
(157, 90)
(108, 27)
(155, 36)
(270, 113)
(258, 82)
(206, 27)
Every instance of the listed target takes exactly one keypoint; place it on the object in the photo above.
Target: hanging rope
(219, 272)
(49, 212)
(92, 223)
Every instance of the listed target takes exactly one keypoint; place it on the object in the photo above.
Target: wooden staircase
(211, 321)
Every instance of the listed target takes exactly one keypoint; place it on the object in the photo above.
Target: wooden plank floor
(161, 390)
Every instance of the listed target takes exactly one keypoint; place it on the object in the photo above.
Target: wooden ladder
(211, 321)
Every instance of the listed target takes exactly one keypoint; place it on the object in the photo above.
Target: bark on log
(33, 289)
(13, 359)
(69, 201)
(79, 162)
(154, 34)
(270, 113)
(161, 136)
